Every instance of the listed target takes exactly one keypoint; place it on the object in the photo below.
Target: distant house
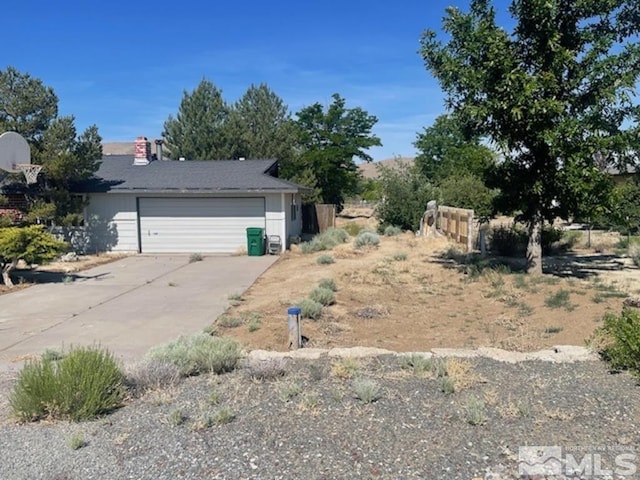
(622, 176)
(139, 204)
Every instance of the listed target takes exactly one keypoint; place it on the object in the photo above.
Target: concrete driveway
(127, 306)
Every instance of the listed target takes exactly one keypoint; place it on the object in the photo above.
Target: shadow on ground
(39, 276)
(568, 265)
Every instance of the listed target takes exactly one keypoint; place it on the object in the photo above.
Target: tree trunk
(534, 247)
(7, 268)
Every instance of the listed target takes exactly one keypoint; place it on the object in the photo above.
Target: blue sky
(124, 65)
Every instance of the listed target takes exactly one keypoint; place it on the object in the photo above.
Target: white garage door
(188, 225)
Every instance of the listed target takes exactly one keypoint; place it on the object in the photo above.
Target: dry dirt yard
(407, 294)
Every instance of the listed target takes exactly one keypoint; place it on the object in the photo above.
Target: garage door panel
(207, 225)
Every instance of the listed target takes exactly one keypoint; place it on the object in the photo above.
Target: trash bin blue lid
(294, 311)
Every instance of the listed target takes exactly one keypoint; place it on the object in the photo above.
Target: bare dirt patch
(409, 295)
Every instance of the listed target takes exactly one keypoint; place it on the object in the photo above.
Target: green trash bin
(255, 241)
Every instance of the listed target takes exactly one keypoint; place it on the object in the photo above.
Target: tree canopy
(260, 126)
(30, 108)
(198, 131)
(555, 94)
(329, 141)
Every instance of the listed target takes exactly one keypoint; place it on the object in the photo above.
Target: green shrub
(324, 296)
(84, 384)
(325, 260)
(508, 241)
(310, 309)
(392, 231)
(512, 240)
(353, 228)
(228, 321)
(618, 340)
(399, 256)
(366, 239)
(200, 353)
(559, 299)
(325, 241)
(329, 284)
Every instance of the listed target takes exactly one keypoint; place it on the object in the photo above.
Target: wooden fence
(318, 218)
(457, 224)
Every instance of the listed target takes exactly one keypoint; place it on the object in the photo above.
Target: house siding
(114, 210)
(120, 211)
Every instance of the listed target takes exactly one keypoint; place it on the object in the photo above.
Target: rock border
(555, 354)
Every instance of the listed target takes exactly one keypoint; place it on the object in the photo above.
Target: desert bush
(329, 284)
(310, 309)
(84, 384)
(199, 353)
(352, 228)
(325, 241)
(254, 325)
(418, 364)
(367, 238)
(392, 231)
(618, 340)
(267, 369)
(399, 257)
(366, 390)
(475, 411)
(508, 241)
(227, 321)
(325, 260)
(323, 296)
(151, 375)
(559, 299)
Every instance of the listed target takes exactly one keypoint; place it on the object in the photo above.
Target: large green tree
(329, 142)
(555, 93)
(455, 159)
(446, 149)
(199, 129)
(260, 126)
(30, 108)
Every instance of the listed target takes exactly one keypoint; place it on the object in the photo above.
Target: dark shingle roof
(118, 174)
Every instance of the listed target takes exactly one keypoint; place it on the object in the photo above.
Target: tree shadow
(34, 276)
(97, 235)
(566, 265)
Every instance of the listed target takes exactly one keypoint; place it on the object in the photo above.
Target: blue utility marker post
(295, 332)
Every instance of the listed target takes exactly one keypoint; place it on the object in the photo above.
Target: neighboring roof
(127, 148)
(118, 174)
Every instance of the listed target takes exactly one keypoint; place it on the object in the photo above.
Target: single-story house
(137, 203)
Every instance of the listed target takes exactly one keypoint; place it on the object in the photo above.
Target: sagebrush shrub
(367, 239)
(353, 228)
(84, 384)
(329, 284)
(310, 309)
(366, 390)
(200, 353)
(325, 241)
(392, 231)
(325, 260)
(152, 374)
(618, 340)
(323, 296)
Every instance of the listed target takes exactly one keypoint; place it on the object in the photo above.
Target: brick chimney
(142, 151)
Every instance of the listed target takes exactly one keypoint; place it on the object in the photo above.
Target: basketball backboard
(14, 150)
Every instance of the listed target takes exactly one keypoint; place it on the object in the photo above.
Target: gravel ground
(308, 424)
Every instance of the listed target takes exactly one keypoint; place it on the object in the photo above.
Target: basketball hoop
(29, 170)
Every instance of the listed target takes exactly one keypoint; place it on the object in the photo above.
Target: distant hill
(370, 170)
